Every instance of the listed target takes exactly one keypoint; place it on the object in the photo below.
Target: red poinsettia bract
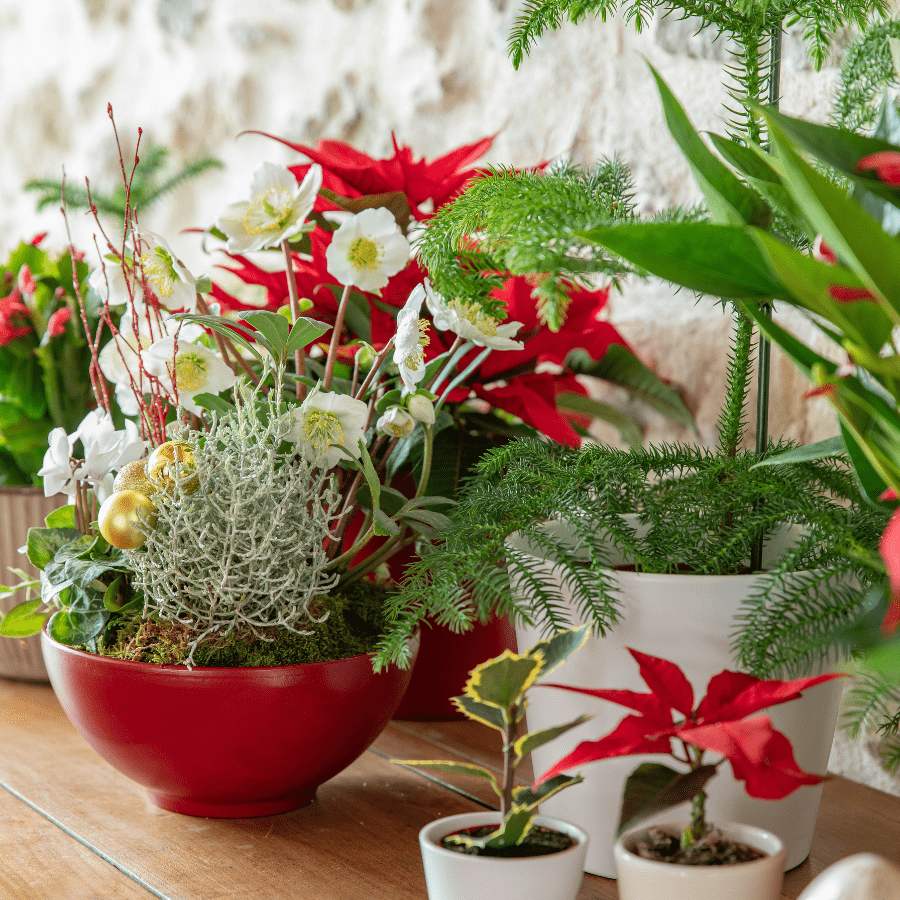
(760, 756)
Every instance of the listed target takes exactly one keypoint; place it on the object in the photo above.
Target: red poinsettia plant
(526, 391)
(667, 722)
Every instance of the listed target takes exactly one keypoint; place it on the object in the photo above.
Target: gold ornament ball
(120, 519)
(161, 466)
(133, 477)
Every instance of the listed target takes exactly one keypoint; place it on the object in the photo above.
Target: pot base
(248, 810)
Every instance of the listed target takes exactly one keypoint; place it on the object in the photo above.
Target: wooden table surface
(72, 828)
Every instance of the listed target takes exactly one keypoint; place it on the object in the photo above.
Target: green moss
(354, 624)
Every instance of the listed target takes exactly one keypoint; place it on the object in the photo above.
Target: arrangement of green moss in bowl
(238, 548)
(513, 852)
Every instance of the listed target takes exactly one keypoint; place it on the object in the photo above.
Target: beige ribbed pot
(20, 508)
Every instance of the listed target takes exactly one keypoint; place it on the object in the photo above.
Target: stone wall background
(195, 73)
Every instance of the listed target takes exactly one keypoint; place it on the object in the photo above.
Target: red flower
(760, 756)
(886, 165)
(11, 308)
(844, 294)
(889, 547)
(56, 324)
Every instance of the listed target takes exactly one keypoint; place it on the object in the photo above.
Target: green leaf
(528, 742)
(502, 681)
(524, 796)
(43, 543)
(720, 260)
(556, 650)
(232, 330)
(830, 447)
(64, 517)
(23, 620)
(272, 330)
(653, 787)
(514, 829)
(450, 768)
(621, 367)
(303, 332)
(730, 201)
(74, 628)
(384, 525)
(628, 429)
(214, 403)
(436, 520)
(371, 475)
(481, 712)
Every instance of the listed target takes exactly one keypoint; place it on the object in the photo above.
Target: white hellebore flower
(411, 340)
(188, 368)
(396, 422)
(471, 322)
(57, 470)
(421, 409)
(277, 208)
(173, 285)
(367, 250)
(108, 281)
(105, 450)
(327, 418)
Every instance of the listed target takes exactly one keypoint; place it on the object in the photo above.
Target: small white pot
(646, 879)
(461, 876)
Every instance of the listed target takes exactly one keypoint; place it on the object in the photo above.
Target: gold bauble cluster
(129, 509)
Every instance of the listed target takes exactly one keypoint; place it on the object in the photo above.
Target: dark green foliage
(697, 511)
(875, 699)
(868, 69)
(150, 183)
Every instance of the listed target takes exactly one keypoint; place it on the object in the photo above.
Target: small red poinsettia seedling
(667, 722)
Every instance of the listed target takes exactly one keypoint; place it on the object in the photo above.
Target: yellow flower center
(273, 210)
(416, 356)
(322, 429)
(159, 270)
(191, 371)
(476, 315)
(363, 254)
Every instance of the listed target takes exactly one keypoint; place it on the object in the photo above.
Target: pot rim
(491, 817)
(172, 667)
(758, 838)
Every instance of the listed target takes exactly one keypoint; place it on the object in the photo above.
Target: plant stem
(698, 815)
(299, 356)
(335, 338)
(509, 763)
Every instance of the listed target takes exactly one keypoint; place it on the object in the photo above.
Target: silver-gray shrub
(244, 553)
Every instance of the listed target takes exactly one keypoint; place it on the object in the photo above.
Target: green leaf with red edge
(653, 788)
(666, 681)
(760, 756)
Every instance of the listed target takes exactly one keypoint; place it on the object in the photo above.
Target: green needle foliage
(660, 509)
(150, 183)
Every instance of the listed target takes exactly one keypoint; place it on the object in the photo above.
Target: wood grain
(358, 840)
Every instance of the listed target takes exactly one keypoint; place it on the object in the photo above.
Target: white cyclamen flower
(411, 340)
(173, 285)
(471, 322)
(188, 368)
(57, 470)
(325, 419)
(396, 422)
(106, 450)
(277, 208)
(421, 409)
(367, 250)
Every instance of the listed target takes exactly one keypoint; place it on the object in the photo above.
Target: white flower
(421, 409)
(471, 322)
(396, 422)
(327, 418)
(105, 450)
(108, 281)
(367, 250)
(173, 285)
(57, 470)
(277, 208)
(120, 357)
(188, 368)
(411, 340)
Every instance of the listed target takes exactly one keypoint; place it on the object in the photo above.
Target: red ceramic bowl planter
(225, 742)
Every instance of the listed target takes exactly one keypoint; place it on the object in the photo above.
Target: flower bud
(421, 409)
(396, 422)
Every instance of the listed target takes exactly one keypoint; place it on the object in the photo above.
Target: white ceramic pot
(20, 508)
(761, 879)
(460, 876)
(688, 619)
